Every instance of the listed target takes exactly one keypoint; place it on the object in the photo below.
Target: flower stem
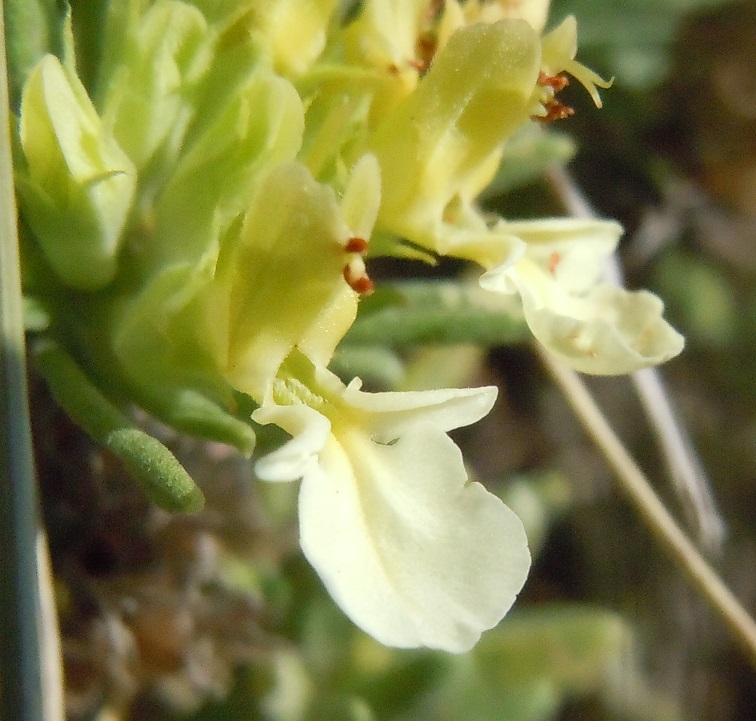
(684, 469)
(652, 510)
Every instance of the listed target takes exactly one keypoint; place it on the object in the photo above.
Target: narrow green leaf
(376, 365)
(162, 477)
(439, 312)
(195, 414)
(86, 405)
(21, 694)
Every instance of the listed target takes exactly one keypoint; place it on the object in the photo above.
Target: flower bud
(77, 186)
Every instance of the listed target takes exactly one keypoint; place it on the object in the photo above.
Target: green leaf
(156, 469)
(163, 478)
(411, 677)
(523, 669)
(36, 315)
(470, 697)
(21, 663)
(439, 312)
(191, 412)
(376, 365)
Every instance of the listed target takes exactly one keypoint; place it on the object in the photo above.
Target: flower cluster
(199, 217)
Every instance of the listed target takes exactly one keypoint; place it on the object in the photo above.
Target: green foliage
(522, 671)
(539, 499)
(413, 313)
(163, 478)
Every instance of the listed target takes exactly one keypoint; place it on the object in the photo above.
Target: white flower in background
(594, 326)
(413, 553)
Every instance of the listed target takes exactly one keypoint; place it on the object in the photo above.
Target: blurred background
(217, 616)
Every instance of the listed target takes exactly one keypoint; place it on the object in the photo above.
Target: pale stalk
(53, 696)
(652, 510)
(31, 687)
(20, 674)
(683, 467)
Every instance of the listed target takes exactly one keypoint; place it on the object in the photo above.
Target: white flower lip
(411, 551)
(595, 327)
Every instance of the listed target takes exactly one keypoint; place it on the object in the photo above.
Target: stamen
(555, 111)
(557, 82)
(355, 273)
(357, 278)
(356, 245)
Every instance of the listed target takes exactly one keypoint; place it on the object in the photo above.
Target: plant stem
(53, 695)
(685, 470)
(21, 697)
(652, 510)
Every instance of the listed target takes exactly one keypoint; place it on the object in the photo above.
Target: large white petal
(413, 553)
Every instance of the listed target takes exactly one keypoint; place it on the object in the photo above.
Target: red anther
(356, 245)
(557, 82)
(363, 285)
(418, 65)
(555, 111)
(358, 283)
(554, 262)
